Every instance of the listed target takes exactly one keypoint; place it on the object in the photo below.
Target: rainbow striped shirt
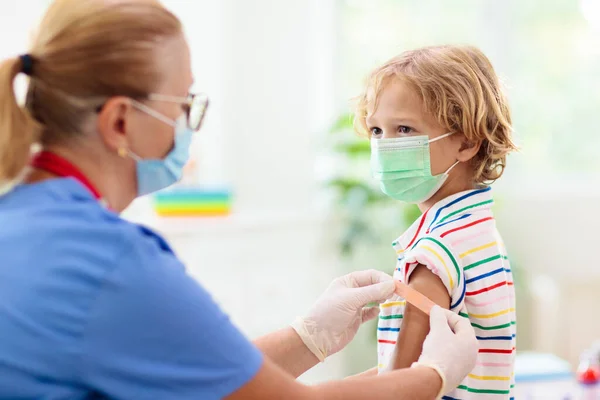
(457, 239)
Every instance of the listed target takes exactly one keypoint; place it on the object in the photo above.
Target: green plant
(365, 211)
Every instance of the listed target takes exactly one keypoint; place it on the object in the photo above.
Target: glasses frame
(188, 102)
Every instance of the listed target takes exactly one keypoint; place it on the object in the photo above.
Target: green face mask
(402, 167)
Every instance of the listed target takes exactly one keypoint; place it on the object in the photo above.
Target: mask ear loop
(441, 137)
(124, 152)
(452, 167)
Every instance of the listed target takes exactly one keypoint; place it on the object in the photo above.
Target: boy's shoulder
(440, 238)
(451, 220)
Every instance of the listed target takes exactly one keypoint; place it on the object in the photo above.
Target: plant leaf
(344, 123)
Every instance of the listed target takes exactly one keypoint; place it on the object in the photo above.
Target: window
(547, 54)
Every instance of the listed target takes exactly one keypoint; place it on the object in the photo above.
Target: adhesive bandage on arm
(413, 297)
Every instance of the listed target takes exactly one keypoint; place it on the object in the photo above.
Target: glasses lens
(197, 110)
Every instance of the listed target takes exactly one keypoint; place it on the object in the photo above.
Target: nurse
(93, 306)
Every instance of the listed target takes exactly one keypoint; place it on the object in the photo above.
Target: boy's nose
(387, 134)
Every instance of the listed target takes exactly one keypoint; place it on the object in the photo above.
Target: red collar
(59, 166)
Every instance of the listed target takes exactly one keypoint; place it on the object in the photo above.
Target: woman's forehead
(174, 61)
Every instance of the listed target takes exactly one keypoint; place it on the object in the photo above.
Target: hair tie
(26, 64)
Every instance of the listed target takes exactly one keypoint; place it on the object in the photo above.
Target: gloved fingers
(369, 313)
(368, 277)
(457, 323)
(381, 301)
(375, 293)
(445, 320)
(439, 319)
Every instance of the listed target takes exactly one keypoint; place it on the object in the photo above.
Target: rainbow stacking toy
(193, 202)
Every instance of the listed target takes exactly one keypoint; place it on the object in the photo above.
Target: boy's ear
(468, 149)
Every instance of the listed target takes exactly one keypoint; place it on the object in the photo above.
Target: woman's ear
(468, 149)
(112, 122)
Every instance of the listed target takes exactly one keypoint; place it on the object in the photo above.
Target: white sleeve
(438, 257)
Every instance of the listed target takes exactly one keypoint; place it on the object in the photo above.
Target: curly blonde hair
(459, 87)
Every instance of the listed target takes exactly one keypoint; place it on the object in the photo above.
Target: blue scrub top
(92, 306)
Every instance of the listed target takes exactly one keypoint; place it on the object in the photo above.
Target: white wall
(550, 230)
(274, 101)
(17, 18)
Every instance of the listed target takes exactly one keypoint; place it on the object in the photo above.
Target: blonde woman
(93, 306)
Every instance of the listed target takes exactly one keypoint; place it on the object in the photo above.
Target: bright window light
(591, 11)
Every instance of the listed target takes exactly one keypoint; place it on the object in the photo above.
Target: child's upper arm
(415, 325)
(437, 256)
(432, 268)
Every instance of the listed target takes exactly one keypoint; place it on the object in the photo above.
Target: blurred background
(279, 198)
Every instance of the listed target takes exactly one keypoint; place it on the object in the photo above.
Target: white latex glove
(333, 320)
(450, 348)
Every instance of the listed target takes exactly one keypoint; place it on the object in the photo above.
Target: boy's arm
(415, 325)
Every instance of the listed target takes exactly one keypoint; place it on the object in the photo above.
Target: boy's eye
(405, 130)
(375, 131)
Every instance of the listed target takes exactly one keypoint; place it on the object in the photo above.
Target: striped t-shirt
(457, 240)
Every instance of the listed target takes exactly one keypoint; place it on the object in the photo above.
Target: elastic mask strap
(137, 158)
(441, 137)
(451, 168)
(134, 156)
(153, 113)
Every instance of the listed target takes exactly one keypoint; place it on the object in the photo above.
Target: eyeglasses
(195, 105)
